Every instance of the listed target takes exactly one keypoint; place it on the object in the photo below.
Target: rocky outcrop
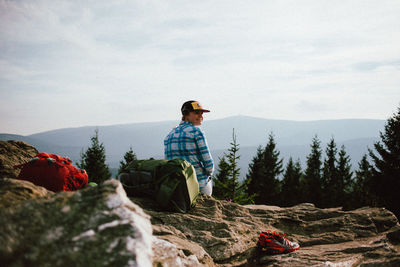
(14, 192)
(13, 153)
(222, 233)
(100, 226)
(96, 226)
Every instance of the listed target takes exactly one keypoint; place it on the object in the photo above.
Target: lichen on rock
(40, 232)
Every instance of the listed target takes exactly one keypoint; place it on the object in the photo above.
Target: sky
(80, 63)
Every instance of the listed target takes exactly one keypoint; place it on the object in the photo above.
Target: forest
(326, 181)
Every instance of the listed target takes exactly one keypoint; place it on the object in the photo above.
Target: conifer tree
(128, 158)
(93, 160)
(291, 184)
(329, 175)
(255, 172)
(344, 179)
(227, 184)
(220, 189)
(269, 186)
(386, 170)
(311, 183)
(363, 193)
(233, 158)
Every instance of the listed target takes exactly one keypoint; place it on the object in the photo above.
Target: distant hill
(254, 131)
(293, 137)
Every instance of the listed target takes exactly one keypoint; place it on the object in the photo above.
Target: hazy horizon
(67, 64)
(177, 120)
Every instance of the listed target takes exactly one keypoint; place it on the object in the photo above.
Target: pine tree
(233, 157)
(386, 172)
(128, 158)
(220, 189)
(93, 160)
(255, 172)
(227, 184)
(362, 193)
(291, 184)
(344, 179)
(268, 186)
(311, 183)
(329, 175)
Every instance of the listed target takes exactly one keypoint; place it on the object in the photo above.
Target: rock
(14, 192)
(13, 153)
(96, 226)
(168, 254)
(221, 233)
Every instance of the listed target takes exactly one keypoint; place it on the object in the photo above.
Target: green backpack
(172, 183)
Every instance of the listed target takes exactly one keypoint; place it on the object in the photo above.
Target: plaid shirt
(189, 143)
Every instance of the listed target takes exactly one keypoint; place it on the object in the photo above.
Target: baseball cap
(192, 105)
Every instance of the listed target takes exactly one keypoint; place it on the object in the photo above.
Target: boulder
(96, 226)
(13, 153)
(222, 233)
(14, 192)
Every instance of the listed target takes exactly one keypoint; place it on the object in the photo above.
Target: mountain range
(293, 138)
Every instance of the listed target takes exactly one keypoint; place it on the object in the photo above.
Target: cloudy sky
(78, 63)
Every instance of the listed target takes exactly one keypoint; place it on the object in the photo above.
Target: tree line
(327, 180)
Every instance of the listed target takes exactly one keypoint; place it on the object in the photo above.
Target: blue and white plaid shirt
(188, 142)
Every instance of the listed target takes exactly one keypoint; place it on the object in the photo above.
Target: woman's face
(195, 117)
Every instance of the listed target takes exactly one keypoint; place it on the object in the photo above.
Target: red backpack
(53, 172)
